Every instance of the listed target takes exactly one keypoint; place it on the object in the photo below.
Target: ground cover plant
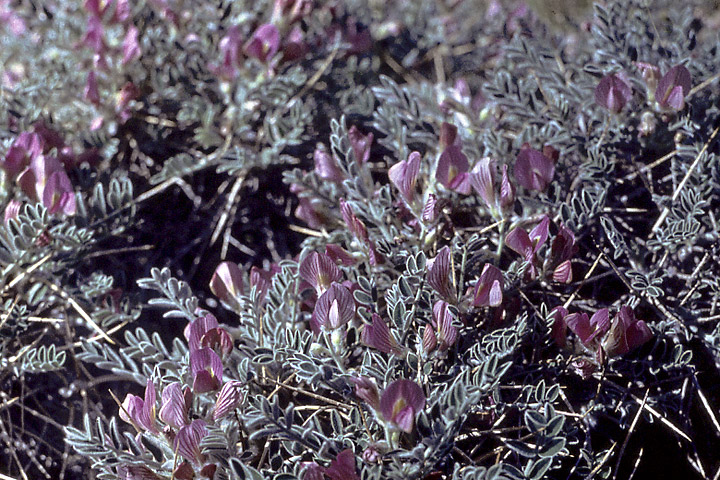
(296, 239)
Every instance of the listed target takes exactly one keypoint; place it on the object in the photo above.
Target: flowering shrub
(357, 240)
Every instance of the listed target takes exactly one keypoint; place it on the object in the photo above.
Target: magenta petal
(264, 43)
(360, 144)
(453, 162)
(539, 234)
(563, 272)
(430, 210)
(579, 324)
(339, 255)
(343, 467)
(334, 308)
(187, 441)
(326, 167)
(613, 92)
(229, 397)
(559, 328)
(519, 241)
(355, 225)
(58, 193)
(481, 179)
(676, 82)
(637, 334)
(429, 339)
(197, 328)
(600, 321)
(130, 46)
(378, 336)
(488, 290)
(676, 99)
(404, 175)
(174, 409)
(438, 275)
(446, 331)
(206, 368)
(533, 170)
(227, 283)
(366, 390)
(401, 399)
(320, 271)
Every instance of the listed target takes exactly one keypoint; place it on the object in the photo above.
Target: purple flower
(12, 210)
(613, 92)
(91, 92)
(366, 389)
(140, 412)
(355, 225)
(378, 336)
(561, 252)
(58, 194)
(228, 398)
(481, 179)
(452, 168)
(227, 283)
(360, 144)
(507, 191)
(219, 340)
(431, 209)
(231, 51)
(343, 467)
(24, 149)
(626, 333)
(326, 167)
(559, 327)
(334, 308)
(207, 369)
(429, 339)
(131, 46)
(176, 402)
(339, 255)
(587, 329)
(533, 170)
(673, 87)
(195, 330)
(446, 332)
(135, 472)
(489, 287)
(264, 43)
(528, 245)
(187, 441)
(320, 271)
(404, 176)
(401, 401)
(438, 275)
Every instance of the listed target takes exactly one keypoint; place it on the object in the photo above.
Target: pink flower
(58, 194)
(343, 467)
(401, 401)
(320, 271)
(626, 334)
(231, 51)
(187, 441)
(195, 330)
(135, 472)
(404, 176)
(528, 245)
(229, 397)
(131, 46)
(207, 369)
(176, 402)
(489, 287)
(23, 150)
(339, 255)
(334, 308)
(326, 167)
(559, 327)
(378, 336)
(438, 276)
(673, 87)
(227, 283)
(360, 144)
(264, 43)
(588, 329)
(140, 412)
(91, 92)
(445, 332)
(613, 92)
(452, 168)
(12, 210)
(533, 170)
(366, 390)
(561, 252)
